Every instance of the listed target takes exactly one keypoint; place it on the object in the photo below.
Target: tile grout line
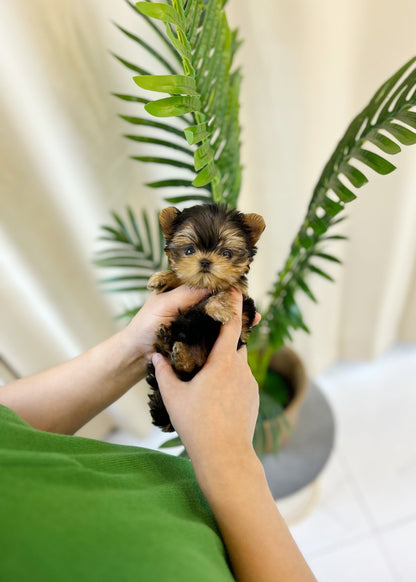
(397, 524)
(330, 549)
(375, 531)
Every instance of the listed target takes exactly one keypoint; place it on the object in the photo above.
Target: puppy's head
(210, 246)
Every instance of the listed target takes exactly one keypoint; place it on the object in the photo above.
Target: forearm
(64, 398)
(258, 541)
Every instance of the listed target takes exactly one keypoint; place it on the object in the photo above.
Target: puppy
(210, 247)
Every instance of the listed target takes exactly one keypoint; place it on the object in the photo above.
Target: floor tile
(399, 544)
(337, 517)
(374, 407)
(358, 562)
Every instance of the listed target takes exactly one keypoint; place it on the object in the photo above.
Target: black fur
(207, 219)
(194, 328)
(194, 331)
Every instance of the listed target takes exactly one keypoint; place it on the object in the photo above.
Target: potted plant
(195, 48)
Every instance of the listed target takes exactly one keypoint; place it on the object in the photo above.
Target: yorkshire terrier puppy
(210, 247)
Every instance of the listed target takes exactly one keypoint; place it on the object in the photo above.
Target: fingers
(183, 297)
(230, 332)
(165, 376)
(257, 319)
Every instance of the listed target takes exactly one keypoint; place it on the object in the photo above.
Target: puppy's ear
(255, 224)
(166, 218)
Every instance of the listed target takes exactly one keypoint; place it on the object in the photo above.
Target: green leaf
(130, 65)
(335, 237)
(160, 12)
(343, 193)
(327, 257)
(197, 133)
(386, 145)
(305, 241)
(374, 161)
(161, 142)
(173, 84)
(401, 133)
(134, 289)
(318, 225)
(195, 198)
(131, 98)
(206, 175)
(293, 312)
(123, 278)
(173, 183)
(182, 46)
(114, 262)
(173, 442)
(318, 271)
(408, 117)
(157, 55)
(259, 439)
(208, 89)
(148, 231)
(165, 161)
(331, 207)
(203, 155)
(173, 106)
(355, 176)
(150, 123)
(130, 265)
(135, 227)
(269, 409)
(156, 29)
(306, 289)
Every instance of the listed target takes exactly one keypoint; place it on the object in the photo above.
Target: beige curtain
(309, 67)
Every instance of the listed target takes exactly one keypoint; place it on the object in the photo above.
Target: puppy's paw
(187, 358)
(163, 339)
(218, 307)
(181, 358)
(163, 281)
(157, 282)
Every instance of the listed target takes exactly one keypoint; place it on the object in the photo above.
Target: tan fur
(219, 307)
(166, 219)
(256, 224)
(208, 247)
(163, 281)
(185, 358)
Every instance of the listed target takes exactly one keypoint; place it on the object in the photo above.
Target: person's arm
(64, 398)
(215, 416)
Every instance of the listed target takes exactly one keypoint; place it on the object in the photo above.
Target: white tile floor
(363, 526)
(362, 523)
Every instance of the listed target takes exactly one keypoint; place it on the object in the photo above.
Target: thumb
(165, 376)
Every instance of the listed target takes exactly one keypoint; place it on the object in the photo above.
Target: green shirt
(75, 509)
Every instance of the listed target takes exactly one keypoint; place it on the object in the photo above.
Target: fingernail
(156, 359)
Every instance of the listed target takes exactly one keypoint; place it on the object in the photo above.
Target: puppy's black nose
(205, 263)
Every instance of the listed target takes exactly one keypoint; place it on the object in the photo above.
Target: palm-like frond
(203, 94)
(388, 122)
(200, 148)
(133, 254)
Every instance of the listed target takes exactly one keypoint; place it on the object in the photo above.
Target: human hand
(160, 308)
(215, 413)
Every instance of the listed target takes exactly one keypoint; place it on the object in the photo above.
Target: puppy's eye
(190, 250)
(227, 253)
